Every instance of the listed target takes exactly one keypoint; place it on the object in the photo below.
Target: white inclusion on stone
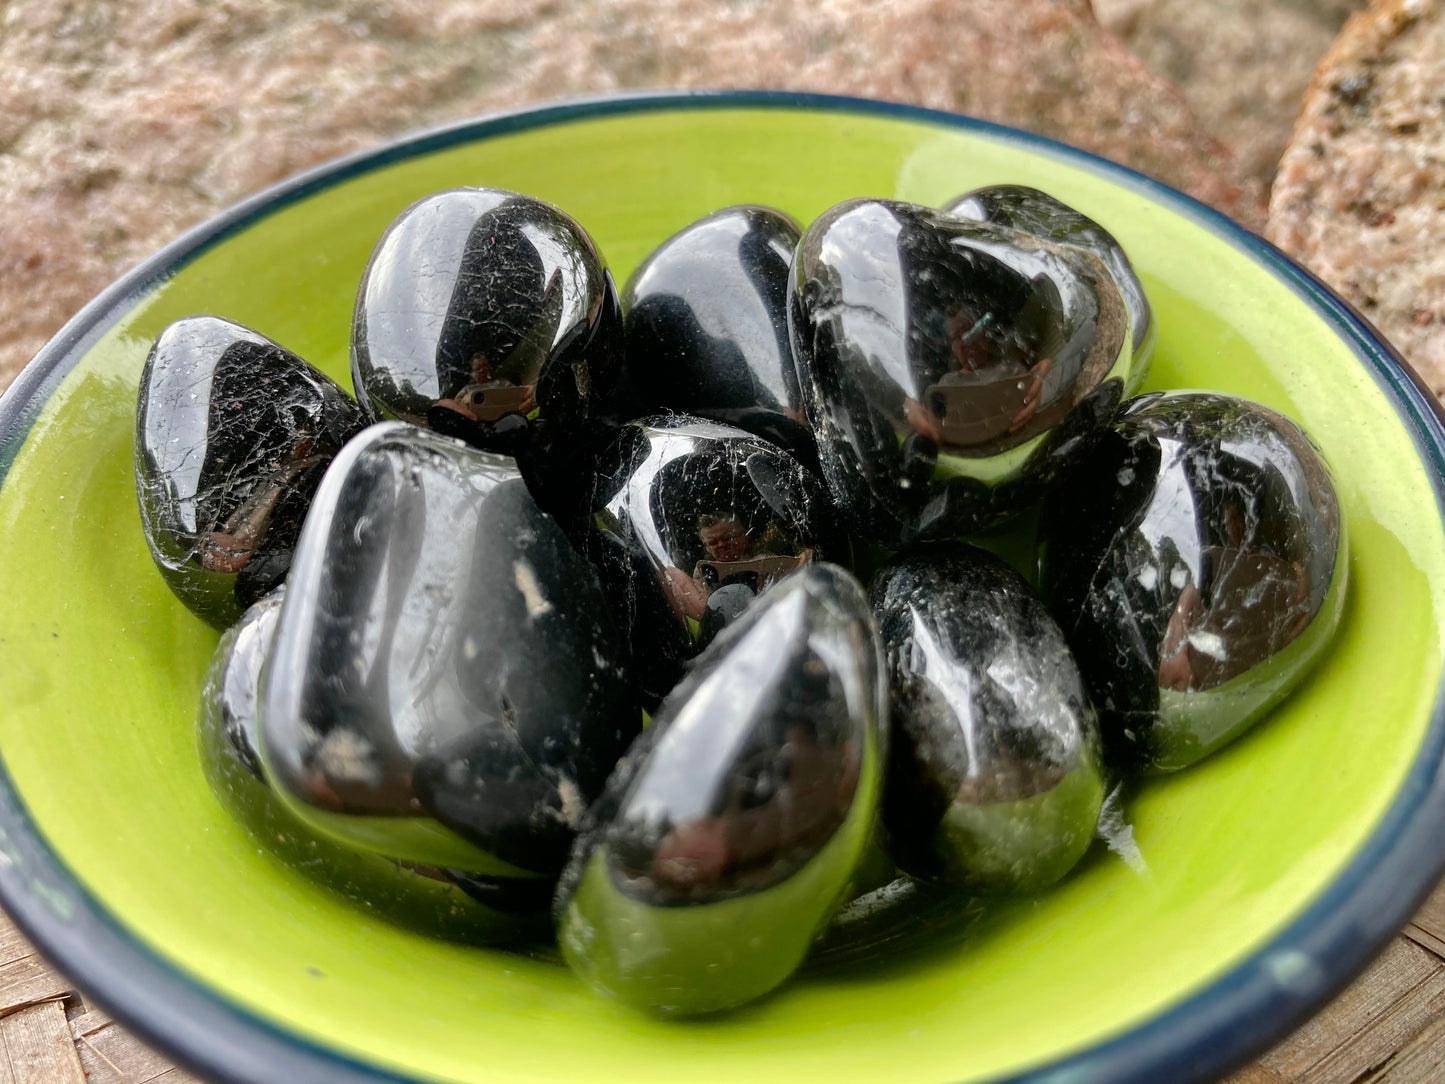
(876, 902)
(1148, 576)
(954, 683)
(1118, 834)
(346, 756)
(1125, 476)
(1209, 643)
(470, 650)
(573, 804)
(526, 581)
(1179, 576)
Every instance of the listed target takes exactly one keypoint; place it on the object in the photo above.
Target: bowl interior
(101, 666)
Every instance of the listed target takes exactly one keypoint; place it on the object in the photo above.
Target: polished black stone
(430, 900)
(707, 326)
(1041, 215)
(951, 370)
(727, 836)
(446, 685)
(228, 714)
(233, 433)
(994, 776)
(1198, 568)
(691, 520)
(484, 314)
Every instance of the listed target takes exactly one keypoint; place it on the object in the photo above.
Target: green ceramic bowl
(1271, 872)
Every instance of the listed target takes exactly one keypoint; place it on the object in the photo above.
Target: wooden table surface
(1387, 1028)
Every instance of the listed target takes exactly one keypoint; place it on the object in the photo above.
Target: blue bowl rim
(1211, 1031)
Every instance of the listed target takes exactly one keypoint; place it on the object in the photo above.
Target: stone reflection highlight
(1041, 215)
(729, 834)
(994, 781)
(691, 521)
(951, 370)
(484, 314)
(447, 686)
(437, 902)
(233, 433)
(707, 326)
(1199, 569)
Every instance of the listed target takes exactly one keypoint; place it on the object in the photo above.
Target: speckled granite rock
(1360, 196)
(123, 123)
(1242, 64)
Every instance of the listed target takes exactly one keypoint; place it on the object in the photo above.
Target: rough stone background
(1360, 196)
(122, 122)
(1244, 65)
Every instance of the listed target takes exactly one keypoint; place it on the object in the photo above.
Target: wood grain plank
(7, 1074)
(1430, 919)
(1254, 1074)
(28, 981)
(12, 942)
(40, 1046)
(1425, 939)
(176, 1076)
(1420, 1061)
(89, 1022)
(112, 1055)
(1401, 968)
(1371, 1047)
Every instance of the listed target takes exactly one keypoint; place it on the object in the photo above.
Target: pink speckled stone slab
(123, 123)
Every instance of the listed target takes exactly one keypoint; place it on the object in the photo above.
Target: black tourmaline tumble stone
(1041, 215)
(729, 833)
(227, 720)
(446, 685)
(431, 900)
(1198, 568)
(233, 434)
(951, 370)
(691, 520)
(483, 313)
(994, 778)
(707, 326)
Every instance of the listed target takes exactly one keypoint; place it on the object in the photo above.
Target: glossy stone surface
(691, 520)
(707, 326)
(482, 314)
(994, 776)
(430, 900)
(729, 833)
(1041, 215)
(951, 370)
(233, 433)
(1198, 568)
(446, 685)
